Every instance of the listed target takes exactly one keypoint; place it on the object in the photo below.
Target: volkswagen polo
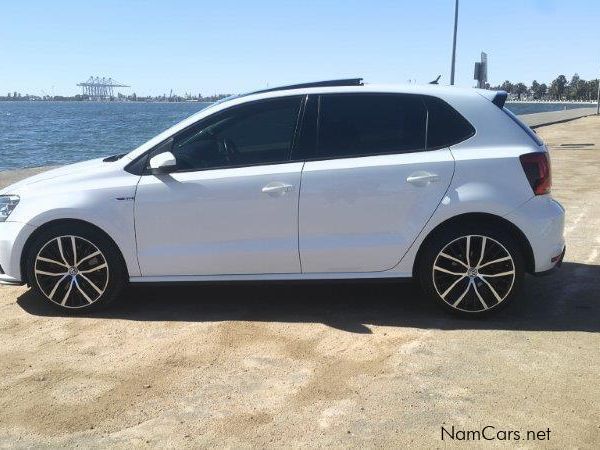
(328, 180)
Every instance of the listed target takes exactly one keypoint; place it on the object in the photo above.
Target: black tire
(87, 286)
(476, 293)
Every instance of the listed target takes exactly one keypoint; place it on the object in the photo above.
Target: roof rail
(327, 83)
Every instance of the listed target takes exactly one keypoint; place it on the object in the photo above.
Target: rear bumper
(557, 265)
(542, 220)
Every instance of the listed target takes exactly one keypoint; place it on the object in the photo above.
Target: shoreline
(11, 176)
(106, 102)
(554, 102)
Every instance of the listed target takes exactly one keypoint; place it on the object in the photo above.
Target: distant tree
(578, 88)
(519, 89)
(558, 87)
(535, 90)
(507, 86)
(571, 87)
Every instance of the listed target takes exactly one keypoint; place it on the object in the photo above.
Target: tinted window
(257, 133)
(445, 126)
(370, 124)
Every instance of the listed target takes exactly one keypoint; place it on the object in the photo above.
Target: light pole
(454, 43)
(598, 98)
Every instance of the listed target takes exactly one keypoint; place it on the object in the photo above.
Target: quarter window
(445, 126)
(252, 134)
(370, 124)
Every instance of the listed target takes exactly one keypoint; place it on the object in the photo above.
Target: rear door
(368, 185)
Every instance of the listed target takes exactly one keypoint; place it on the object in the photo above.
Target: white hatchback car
(329, 180)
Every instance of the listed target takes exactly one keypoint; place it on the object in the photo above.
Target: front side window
(252, 134)
(370, 124)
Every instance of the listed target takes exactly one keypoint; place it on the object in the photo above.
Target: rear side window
(370, 124)
(445, 126)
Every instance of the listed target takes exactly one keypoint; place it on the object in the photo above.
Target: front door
(232, 205)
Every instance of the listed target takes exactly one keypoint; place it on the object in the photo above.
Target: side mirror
(162, 163)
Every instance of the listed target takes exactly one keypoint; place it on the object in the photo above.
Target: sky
(223, 46)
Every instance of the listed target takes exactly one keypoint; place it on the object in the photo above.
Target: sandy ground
(12, 176)
(329, 364)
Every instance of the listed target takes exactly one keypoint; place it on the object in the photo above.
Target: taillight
(537, 169)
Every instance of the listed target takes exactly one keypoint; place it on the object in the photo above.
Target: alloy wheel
(71, 271)
(474, 273)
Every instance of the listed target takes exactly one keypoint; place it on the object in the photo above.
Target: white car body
(322, 219)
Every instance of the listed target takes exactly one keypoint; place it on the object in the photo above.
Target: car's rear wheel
(471, 270)
(75, 267)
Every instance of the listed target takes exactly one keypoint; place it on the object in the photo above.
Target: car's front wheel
(75, 267)
(472, 270)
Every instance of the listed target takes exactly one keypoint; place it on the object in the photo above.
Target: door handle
(422, 178)
(277, 188)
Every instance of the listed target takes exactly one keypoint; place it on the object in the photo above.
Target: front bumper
(13, 236)
(9, 281)
(542, 220)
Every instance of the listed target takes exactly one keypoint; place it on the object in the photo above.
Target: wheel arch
(483, 218)
(56, 222)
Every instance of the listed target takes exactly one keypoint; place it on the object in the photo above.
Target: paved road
(548, 118)
(330, 364)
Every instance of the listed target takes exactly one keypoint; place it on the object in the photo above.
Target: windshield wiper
(113, 158)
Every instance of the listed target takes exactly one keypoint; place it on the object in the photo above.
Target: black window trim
(426, 124)
(139, 166)
(303, 99)
(298, 130)
(296, 154)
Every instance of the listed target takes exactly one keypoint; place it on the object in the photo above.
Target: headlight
(7, 204)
